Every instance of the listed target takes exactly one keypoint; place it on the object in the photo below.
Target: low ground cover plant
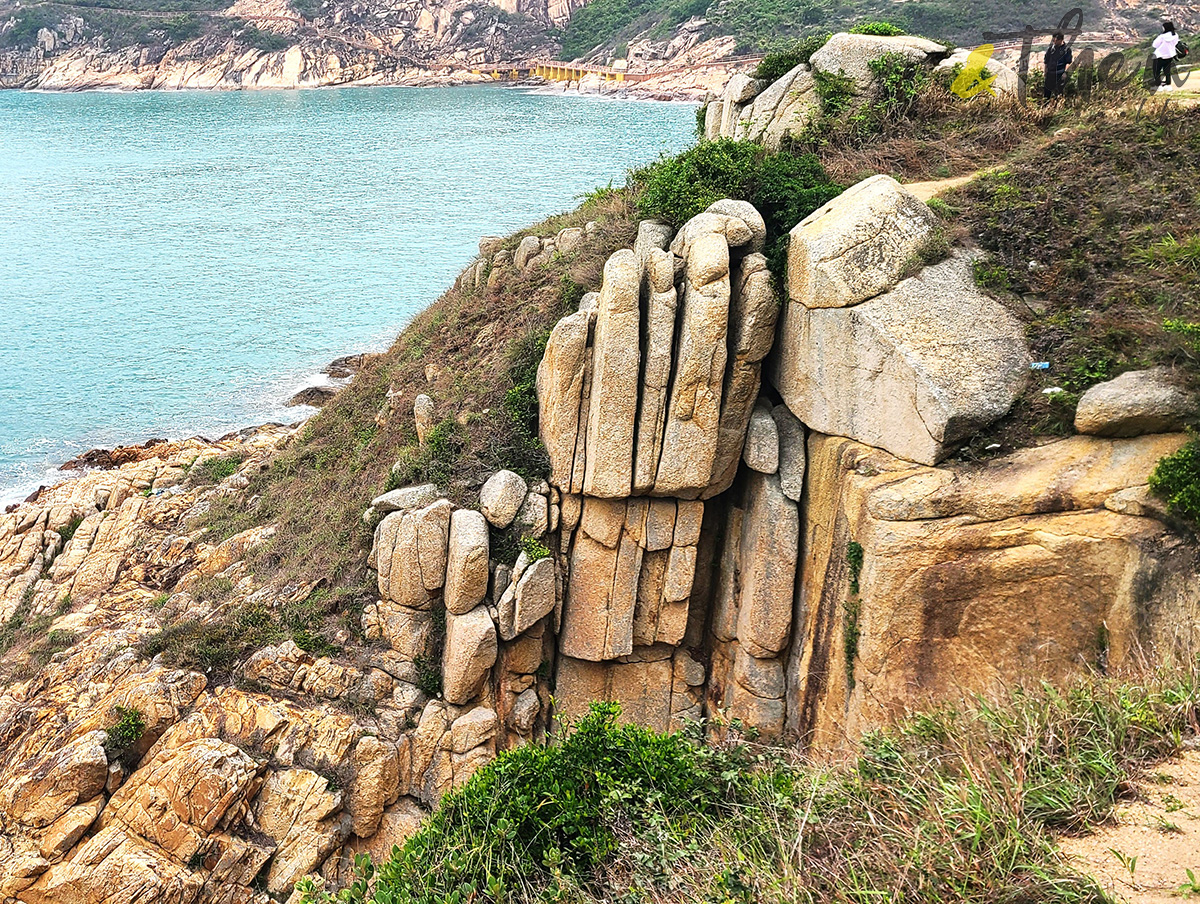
(959, 804)
(783, 187)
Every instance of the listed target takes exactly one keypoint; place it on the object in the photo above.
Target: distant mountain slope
(210, 43)
(606, 25)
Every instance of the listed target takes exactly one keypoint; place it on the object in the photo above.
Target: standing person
(1164, 54)
(1058, 58)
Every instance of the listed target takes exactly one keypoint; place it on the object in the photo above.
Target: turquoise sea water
(182, 263)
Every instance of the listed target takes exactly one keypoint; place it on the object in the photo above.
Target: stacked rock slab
(433, 558)
(645, 395)
(649, 393)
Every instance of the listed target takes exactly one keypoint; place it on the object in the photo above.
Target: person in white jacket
(1164, 54)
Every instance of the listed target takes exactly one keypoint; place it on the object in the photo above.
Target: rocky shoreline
(340, 372)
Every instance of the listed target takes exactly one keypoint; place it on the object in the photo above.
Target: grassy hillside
(184, 20)
(475, 352)
(762, 25)
(1093, 238)
(954, 806)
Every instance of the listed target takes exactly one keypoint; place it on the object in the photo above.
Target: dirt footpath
(1161, 829)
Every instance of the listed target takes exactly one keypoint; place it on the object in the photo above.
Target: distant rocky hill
(136, 44)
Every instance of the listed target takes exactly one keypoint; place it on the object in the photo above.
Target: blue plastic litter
(1040, 365)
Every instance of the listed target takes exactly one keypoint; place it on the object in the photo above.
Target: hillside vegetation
(764, 25)
(960, 804)
(1117, 291)
(1093, 238)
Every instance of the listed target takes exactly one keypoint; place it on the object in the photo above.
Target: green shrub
(534, 549)
(941, 208)
(991, 273)
(835, 91)
(128, 730)
(1176, 479)
(879, 29)
(429, 675)
(432, 462)
(854, 558)
(779, 63)
(69, 531)
(540, 816)
(266, 41)
(214, 470)
(1188, 330)
(517, 445)
(183, 27)
(951, 806)
(899, 82)
(783, 187)
(1169, 251)
(60, 639)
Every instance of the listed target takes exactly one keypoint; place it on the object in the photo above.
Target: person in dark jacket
(1058, 58)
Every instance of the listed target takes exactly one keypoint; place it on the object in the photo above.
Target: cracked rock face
(858, 245)
(911, 371)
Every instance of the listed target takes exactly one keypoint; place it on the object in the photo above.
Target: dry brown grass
(942, 135)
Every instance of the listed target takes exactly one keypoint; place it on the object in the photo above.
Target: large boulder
(656, 686)
(529, 599)
(44, 789)
(761, 452)
(1135, 403)
(851, 55)
(792, 455)
(798, 104)
(405, 499)
(471, 649)
(858, 245)
(410, 554)
(501, 496)
(298, 810)
(767, 103)
(184, 794)
(975, 576)
(467, 561)
(1005, 80)
(911, 371)
(652, 234)
(597, 621)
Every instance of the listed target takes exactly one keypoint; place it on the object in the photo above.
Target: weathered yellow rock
(376, 783)
(973, 576)
(41, 790)
(61, 836)
(184, 793)
(297, 809)
(115, 868)
(612, 414)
